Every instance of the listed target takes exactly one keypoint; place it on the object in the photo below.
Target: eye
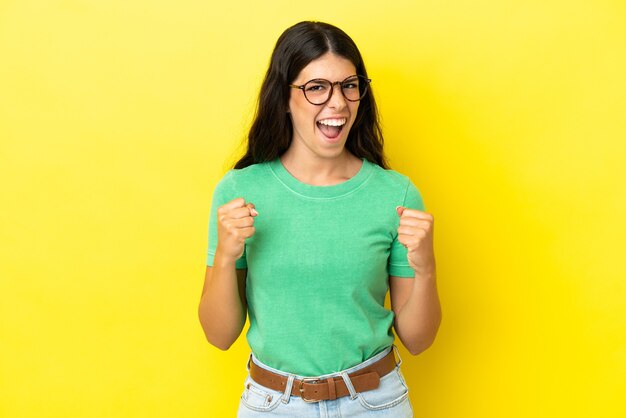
(353, 83)
(316, 87)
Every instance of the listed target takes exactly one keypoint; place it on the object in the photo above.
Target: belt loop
(287, 394)
(332, 392)
(395, 349)
(348, 382)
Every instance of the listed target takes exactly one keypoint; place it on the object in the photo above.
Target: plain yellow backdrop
(118, 117)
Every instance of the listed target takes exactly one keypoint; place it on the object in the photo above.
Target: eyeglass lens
(319, 91)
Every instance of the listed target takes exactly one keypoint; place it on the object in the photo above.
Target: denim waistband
(336, 374)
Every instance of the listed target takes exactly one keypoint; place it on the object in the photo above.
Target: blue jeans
(390, 399)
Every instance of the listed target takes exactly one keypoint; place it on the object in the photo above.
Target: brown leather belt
(315, 390)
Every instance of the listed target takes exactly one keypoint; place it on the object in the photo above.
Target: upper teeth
(333, 122)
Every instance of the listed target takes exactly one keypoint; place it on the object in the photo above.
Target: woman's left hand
(416, 234)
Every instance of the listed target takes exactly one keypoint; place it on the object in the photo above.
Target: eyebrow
(325, 79)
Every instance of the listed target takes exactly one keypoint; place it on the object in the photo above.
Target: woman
(308, 233)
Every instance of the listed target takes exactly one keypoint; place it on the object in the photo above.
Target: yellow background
(117, 118)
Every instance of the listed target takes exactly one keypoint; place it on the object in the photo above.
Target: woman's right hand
(235, 222)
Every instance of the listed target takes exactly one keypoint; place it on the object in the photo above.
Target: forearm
(221, 311)
(417, 322)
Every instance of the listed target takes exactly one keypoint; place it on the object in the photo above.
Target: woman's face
(322, 130)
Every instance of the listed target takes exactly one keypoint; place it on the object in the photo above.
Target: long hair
(272, 131)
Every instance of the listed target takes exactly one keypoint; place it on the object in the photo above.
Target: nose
(336, 101)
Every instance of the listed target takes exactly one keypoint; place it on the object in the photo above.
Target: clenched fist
(235, 223)
(416, 234)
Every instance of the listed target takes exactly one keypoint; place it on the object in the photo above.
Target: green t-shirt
(318, 263)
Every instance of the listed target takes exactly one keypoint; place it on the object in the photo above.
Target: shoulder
(391, 178)
(238, 182)
(237, 177)
(398, 185)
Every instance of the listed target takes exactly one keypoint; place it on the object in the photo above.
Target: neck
(322, 171)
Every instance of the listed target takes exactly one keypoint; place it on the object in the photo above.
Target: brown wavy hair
(271, 132)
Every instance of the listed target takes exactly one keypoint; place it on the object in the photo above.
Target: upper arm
(241, 283)
(399, 292)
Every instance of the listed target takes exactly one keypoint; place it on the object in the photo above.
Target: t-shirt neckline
(308, 190)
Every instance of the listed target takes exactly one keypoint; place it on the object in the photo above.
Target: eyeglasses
(319, 91)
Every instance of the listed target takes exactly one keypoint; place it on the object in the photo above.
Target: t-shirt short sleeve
(224, 192)
(398, 263)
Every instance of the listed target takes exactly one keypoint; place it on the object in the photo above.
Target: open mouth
(331, 128)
